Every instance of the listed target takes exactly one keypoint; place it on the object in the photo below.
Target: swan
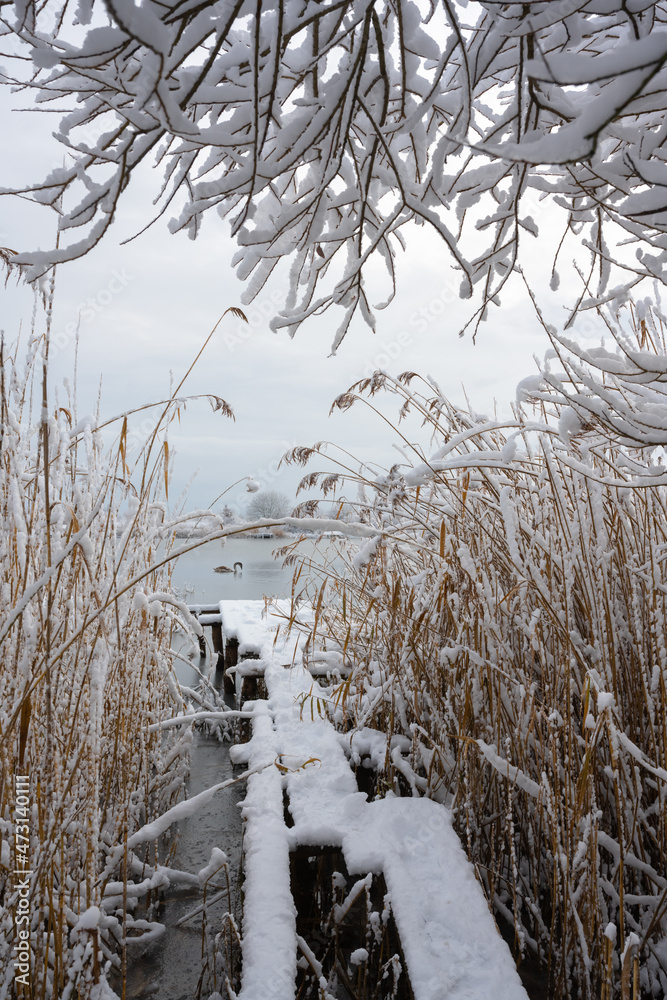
(226, 569)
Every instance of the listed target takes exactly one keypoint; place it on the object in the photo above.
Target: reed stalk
(509, 620)
(86, 621)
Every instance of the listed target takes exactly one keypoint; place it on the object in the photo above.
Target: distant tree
(268, 503)
(322, 128)
(228, 514)
(342, 511)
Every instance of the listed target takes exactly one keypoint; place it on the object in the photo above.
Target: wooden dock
(303, 799)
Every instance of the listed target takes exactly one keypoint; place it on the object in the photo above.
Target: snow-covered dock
(449, 940)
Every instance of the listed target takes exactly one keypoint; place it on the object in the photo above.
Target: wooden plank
(449, 939)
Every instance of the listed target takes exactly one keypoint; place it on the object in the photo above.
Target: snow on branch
(617, 392)
(320, 129)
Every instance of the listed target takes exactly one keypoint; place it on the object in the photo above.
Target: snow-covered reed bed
(85, 627)
(510, 619)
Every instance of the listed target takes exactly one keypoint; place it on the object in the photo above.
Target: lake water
(263, 573)
(170, 967)
(194, 580)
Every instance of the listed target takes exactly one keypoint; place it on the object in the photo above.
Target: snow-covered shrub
(509, 618)
(85, 628)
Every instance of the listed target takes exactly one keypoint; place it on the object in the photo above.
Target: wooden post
(248, 693)
(249, 684)
(216, 635)
(231, 658)
(231, 652)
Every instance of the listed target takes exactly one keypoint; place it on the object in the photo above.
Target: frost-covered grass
(510, 618)
(85, 632)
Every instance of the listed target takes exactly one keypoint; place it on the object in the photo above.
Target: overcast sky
(144, 309)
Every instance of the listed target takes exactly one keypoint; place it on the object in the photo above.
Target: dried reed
(85, 630)
(509, 619)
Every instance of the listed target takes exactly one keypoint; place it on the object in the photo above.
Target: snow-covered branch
(321, 129)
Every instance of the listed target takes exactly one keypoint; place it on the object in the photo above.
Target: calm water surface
(170, 967)
(263, 573)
